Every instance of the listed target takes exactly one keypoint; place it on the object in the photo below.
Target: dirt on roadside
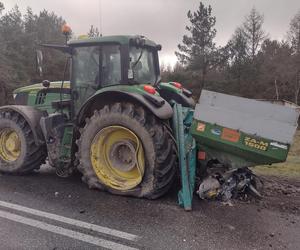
(281, 194)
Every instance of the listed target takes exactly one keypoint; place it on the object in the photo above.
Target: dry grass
(290, 168)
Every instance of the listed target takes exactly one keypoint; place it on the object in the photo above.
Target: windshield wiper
(157, 80)
(139, 58)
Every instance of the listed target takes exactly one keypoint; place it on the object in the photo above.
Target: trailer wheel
(126, 150)
(18, 151)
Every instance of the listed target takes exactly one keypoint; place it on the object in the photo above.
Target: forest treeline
(250, 64)
(20, 36)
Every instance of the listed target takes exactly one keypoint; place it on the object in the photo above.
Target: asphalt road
(43, 211)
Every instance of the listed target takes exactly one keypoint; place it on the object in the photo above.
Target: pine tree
(276, 76)
(238, 55)
(198, 51)
(253, 32)
(20, 36)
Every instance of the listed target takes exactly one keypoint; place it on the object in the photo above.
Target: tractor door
(94, 67)
(85, 69)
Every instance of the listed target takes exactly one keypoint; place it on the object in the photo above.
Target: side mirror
(39, 62)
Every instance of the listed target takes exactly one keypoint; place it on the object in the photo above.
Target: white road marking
(65, 232)
(77, 223)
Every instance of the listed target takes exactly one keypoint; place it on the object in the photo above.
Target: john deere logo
(256, 143)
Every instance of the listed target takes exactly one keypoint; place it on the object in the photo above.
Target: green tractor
(129, 133)
(111, 121)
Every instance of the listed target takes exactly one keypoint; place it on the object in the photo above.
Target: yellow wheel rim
(10, 145)
(117, 158)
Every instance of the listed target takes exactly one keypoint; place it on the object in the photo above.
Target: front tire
(149, 165)
(18, 152)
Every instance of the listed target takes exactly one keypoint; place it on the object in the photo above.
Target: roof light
(177, 85)
(149, 89)
(66, 29)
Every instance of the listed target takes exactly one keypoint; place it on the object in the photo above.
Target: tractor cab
(115, 60)
(124, 65)
(110, 61)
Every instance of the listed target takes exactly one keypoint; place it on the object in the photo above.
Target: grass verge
(290, 168)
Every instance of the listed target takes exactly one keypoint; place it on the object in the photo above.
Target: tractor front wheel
(126, 150)
(18, 152)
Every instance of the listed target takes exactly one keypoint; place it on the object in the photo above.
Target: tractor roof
(109, 39)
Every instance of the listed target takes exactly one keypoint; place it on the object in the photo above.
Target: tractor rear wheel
(18, 152)
(126, 150)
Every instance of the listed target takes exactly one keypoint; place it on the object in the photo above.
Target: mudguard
(156, 104)
(32, 117)
(180, 98)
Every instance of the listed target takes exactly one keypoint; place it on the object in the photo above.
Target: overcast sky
(163, 21)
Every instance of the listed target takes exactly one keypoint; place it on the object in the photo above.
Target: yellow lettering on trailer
(256, 143)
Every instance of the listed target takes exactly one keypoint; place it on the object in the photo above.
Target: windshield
(96, 66)
(111, 65)
(85, 65)
(142, 65)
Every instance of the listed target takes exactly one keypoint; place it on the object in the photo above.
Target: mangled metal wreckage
(228, 135)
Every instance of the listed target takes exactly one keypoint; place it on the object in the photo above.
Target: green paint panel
(168, 86)
(39, 86)
(66, 145)
(240, 148)
(42, 98)
(139, 89)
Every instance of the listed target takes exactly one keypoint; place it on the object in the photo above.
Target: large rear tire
(126, 150)
(18, 152)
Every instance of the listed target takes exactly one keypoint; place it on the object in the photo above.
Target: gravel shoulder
(281, 194)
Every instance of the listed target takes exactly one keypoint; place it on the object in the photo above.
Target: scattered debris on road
(224, 185)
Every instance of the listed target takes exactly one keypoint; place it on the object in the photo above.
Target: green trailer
(231, 132)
